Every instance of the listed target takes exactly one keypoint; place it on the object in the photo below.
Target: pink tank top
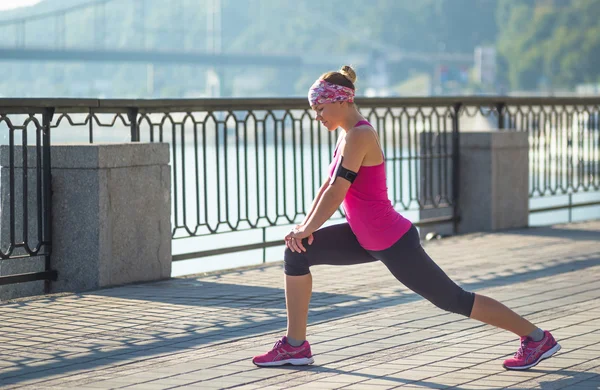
(369, 211)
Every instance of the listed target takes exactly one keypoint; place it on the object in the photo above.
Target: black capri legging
(406, 259)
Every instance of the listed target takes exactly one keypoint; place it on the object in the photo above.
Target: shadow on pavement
(257, 316)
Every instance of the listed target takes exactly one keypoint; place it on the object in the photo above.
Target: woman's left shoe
(531, 353)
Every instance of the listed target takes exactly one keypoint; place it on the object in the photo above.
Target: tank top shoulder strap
(363, 122)
(337, 144)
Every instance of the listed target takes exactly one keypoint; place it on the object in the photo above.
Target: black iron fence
(564, 147)
(25, 198)
(564, 142)
(254, 165)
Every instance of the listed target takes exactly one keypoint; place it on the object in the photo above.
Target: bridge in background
(137, 48)
(182, 38)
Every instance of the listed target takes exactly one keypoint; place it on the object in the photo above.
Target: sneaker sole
(546, 355)
(294, 362)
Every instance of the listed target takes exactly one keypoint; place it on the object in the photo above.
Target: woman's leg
(411, 265)
(333, 245)
(494, 313)
(298, 290)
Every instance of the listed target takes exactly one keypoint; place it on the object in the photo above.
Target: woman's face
(329, 114)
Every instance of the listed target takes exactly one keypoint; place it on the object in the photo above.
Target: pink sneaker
(284, 353)
(531, 353)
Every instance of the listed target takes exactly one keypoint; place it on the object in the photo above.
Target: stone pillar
(493, 182)
(111, 213)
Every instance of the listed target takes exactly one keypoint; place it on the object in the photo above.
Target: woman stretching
(374, 231)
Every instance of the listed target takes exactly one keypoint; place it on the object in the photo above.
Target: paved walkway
(367, 330)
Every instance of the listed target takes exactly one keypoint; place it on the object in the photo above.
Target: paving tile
(367, 331)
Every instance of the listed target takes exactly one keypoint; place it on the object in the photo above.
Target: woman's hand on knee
(293, 239)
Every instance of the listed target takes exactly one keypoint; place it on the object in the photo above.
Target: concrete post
(493, 183)
(111, 215)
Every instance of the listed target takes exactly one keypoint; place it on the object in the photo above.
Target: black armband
(342, 172)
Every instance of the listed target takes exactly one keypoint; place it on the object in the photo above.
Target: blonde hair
(346, 77)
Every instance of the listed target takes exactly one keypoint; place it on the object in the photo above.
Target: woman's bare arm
(316, 201)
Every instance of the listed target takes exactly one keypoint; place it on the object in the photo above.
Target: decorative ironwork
(26, 229)
(255, 164)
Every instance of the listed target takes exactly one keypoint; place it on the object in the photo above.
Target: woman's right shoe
(283, 353)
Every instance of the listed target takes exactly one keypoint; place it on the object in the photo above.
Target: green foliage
(558, 41)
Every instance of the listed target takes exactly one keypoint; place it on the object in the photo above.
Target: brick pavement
(367, 331)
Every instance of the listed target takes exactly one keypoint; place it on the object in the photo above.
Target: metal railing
(26, 211)
(564, 143)
(253, 165)
(564, 147)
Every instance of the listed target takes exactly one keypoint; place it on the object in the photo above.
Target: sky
(10, 4)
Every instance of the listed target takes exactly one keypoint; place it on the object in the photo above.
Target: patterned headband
(325, 92)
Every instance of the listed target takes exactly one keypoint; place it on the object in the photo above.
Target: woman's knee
(295, 263)
(459, 302)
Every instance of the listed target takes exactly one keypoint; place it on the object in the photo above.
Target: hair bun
(349, 73)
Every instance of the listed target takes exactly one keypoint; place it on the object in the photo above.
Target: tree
(556, 40)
